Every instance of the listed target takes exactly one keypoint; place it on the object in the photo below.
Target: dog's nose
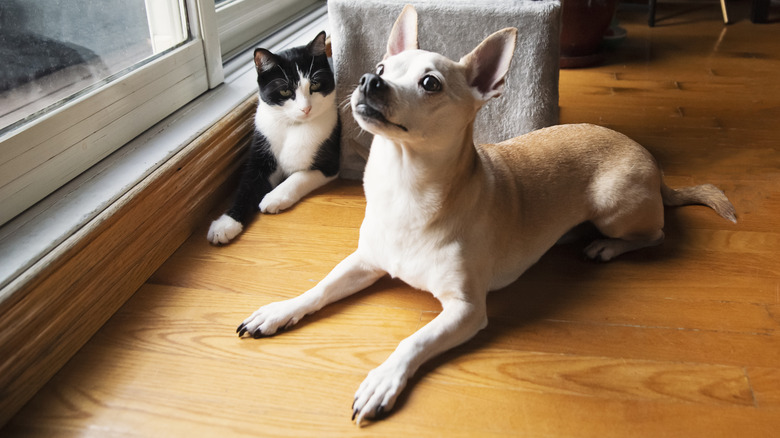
(371, 82)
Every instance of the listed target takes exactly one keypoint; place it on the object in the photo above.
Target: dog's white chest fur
(396, 232)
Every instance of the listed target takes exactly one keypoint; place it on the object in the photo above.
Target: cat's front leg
(257, 175)
(291, 190)
(223, 230)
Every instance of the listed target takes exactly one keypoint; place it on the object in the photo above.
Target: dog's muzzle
(372, 84)
(373, 90)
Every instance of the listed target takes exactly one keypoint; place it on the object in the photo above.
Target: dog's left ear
(488, 64)
(403, 36)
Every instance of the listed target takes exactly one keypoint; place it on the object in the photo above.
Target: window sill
(68, 263)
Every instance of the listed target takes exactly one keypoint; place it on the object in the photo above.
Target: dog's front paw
(223, 230)
(378, 392)
(274, 202)
(269, 319)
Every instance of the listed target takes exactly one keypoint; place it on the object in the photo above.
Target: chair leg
(651, 15)
(725, 13)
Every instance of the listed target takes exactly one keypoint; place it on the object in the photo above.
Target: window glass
(54, 50)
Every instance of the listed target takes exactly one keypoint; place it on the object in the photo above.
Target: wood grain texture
(679, 340)
(46, 320)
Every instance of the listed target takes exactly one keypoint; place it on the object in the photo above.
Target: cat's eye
(380, 69)
(286, 92)
(315, 86)
(430, 84)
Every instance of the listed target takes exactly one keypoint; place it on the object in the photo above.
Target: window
(238, 21)
(87, 76)
(55, 52)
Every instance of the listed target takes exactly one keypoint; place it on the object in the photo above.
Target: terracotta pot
(582, 31)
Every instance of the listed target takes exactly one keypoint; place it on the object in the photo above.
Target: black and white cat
(295, 148)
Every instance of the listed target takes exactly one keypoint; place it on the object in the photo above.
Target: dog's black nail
(353, 403)
(240, 327)
(257, 334)
(354, 414)
(241, 333)
(379, 411)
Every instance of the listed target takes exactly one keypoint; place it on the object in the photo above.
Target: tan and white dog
(459, 220)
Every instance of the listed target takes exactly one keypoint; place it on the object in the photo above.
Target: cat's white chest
(294, 145)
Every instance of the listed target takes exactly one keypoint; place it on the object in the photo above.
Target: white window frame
(238, 21)
(43, 155)
(142, 137)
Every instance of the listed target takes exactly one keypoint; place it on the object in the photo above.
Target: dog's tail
(705, 194)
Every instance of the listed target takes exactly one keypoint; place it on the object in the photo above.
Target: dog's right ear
(404, 33)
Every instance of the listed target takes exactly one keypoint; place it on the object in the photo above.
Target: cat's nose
(371, 82)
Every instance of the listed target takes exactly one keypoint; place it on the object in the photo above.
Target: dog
(459, 220)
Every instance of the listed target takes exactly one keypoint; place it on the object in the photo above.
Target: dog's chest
(397, 236)
(416, 259)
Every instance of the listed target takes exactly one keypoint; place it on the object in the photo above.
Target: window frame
(27, 241)
(241, 22)
(41, 156)
(44, 154)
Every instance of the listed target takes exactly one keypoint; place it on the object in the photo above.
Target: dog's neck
(429, 172)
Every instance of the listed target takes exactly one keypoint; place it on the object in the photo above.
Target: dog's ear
(403, 36)
(488, 64)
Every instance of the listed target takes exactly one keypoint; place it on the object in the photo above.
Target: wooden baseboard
(46, 320)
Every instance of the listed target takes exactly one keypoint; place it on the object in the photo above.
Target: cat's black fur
(278, 76)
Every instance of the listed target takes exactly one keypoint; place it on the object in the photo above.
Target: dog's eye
(380, 69)
(430, 83)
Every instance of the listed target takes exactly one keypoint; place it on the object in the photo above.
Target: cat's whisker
(311, 66)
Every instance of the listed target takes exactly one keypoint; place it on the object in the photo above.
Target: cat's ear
(264, 60)
(317, 46)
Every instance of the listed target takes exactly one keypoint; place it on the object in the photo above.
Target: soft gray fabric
(360, 29)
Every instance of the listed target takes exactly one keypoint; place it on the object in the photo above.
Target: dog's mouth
(368, 112)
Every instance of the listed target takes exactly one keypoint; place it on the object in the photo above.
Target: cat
(296, 144)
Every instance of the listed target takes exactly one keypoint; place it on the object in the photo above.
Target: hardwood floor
(678, 340)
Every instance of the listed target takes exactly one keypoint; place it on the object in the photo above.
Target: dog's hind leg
(607, 249)
(628, 228)
(348, 277)
(458, 321)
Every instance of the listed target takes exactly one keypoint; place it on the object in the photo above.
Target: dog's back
(569, 174)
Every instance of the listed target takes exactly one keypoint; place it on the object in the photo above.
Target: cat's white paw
(275, 202)
(223, 230)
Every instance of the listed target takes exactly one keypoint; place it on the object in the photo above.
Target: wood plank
(629, 341)
(609, 378)
(766, 386)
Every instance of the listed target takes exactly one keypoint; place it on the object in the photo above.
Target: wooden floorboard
(679, 340)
